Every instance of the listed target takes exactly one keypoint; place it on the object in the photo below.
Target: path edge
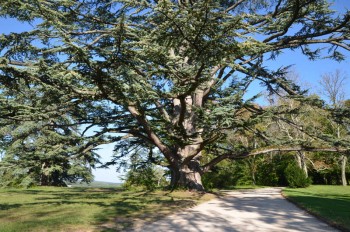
(316, 215)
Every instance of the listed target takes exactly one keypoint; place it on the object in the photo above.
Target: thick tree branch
(296, 9)
(151, 135)
(234, 6)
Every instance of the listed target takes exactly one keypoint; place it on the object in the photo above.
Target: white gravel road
(249, 210)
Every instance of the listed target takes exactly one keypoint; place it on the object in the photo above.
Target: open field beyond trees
(329, 202)
(86, 209)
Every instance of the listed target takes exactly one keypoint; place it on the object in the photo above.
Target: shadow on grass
(114, 209)
(9, 206)
(61, 190)
(126, 215)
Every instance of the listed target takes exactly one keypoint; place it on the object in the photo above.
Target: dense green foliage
(295, 177)
(267, 174)
(325, 168)
(227, 174)
(170, 76)
(332, 203)
(41, 147)
(37, 154)
(146, 175)
(275, 170)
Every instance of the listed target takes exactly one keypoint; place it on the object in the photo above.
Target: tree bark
(344, 160)
(302, 162)
(189, 171)
(190, 176)
(44, 179)
(187, 176)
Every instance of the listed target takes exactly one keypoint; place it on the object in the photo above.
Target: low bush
(295, 177)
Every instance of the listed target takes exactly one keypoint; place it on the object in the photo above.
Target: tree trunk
(44, 179)
(302, 162)
(190, 176)
(187, 172)
(187, 176)
(253, 178)
(252, 168)
(344, 160)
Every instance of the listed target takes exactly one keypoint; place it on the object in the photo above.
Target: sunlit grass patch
(329, 202)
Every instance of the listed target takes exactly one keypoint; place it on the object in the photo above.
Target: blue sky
(309, 72)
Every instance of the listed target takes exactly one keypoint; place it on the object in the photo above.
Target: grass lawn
(86, 209)
(332, 203)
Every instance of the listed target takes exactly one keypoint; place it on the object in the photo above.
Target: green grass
(97, 184)
(329, 202)
(86, 209)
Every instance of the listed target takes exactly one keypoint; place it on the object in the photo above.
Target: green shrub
(295, 177)
(227, 174)
(145, 175)
(267, 174)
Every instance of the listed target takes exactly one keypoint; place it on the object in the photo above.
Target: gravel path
(248, 210)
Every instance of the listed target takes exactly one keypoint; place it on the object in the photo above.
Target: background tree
(40, 147)
(170, 75)
(303, 117)
(44, 158)
(333, 89)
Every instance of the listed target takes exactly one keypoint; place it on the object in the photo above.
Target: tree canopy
(168, 76)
